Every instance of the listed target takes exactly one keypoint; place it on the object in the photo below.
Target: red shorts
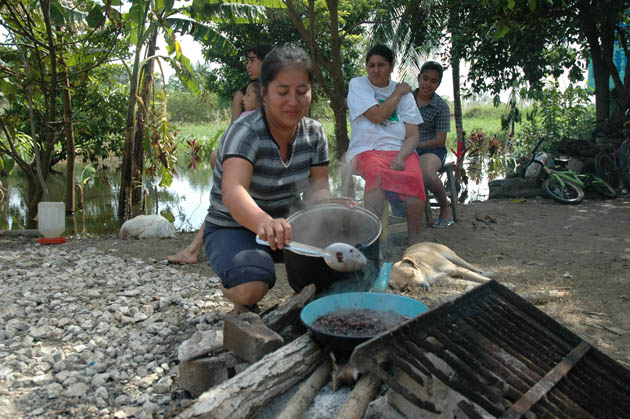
(374, 165)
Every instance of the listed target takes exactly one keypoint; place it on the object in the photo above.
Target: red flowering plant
(485, 153)
(193, 150)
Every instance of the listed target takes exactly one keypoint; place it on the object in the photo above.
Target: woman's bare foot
(184, 256)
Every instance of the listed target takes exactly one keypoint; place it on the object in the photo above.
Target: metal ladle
(340, 257)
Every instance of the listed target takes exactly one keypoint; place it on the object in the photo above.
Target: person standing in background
(254, 56)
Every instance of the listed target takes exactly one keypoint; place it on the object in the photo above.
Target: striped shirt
(276, 186)
(436, 117)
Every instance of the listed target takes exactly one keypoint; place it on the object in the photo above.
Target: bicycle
(613, 162)
(563, 184)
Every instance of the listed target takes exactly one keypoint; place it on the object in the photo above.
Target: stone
(163, 385)
(54, 390)
(200, 374)
(249, 338)
(76, 390)
(200, 344)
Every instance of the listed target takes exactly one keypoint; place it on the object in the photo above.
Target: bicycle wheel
(563, 192)
(603, 188)
(605, 168)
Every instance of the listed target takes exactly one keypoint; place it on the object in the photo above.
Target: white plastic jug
(51, 219)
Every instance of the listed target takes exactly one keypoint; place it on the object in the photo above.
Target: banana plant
(143, 23)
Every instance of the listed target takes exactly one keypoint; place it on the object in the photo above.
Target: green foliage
(185, 106)
(557, 115)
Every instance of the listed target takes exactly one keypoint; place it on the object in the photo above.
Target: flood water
(185, 201)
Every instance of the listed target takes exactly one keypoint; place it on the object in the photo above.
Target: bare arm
(379, 113)
(237, 105)
(318, 189)
(438, 141)
(412, 136)
(237, 175)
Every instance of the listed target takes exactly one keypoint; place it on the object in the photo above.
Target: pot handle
(304, 248)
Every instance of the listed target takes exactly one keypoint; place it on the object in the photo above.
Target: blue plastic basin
(398, 304)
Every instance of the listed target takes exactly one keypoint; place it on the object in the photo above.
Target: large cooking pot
(324, 224)
(380, 302)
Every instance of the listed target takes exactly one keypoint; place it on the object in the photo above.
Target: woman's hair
(281, 57)
(432, 65)
(256, 84)
(381, 50)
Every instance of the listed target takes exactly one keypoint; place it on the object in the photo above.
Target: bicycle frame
(563, 176)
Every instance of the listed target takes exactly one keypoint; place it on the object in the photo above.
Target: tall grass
(484, 117)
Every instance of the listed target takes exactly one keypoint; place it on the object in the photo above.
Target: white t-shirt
(386, 136)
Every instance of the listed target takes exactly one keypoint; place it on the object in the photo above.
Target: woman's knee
(247, 293)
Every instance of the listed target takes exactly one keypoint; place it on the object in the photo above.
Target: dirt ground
(576, 257)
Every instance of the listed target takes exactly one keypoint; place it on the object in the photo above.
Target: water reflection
(185, 201)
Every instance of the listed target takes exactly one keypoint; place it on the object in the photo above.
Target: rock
(14, 326)
(54, 390)
(39, 332)
(76, 390)
(249, 338)
(147, 227)
(163, 385)
(200, 374)
(200, 344)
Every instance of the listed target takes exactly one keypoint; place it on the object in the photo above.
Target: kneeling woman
(266, 161)
(384, 120)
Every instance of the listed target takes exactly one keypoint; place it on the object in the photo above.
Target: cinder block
(248, 337)
(198, 375)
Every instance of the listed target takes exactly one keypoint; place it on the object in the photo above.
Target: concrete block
(198, 375)
(248, 337)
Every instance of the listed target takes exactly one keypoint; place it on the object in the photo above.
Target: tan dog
(426, 263)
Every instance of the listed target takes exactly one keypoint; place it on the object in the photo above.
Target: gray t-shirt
(276, 186)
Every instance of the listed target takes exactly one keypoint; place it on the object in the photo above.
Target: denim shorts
(236, 258)
(438, 151)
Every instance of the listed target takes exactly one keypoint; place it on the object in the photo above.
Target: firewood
(306, 393)
(362, 394)
(342, 373)
(246, 393)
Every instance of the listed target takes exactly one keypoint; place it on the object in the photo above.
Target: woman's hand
(402, 89)
(277, 232)
(398, 163)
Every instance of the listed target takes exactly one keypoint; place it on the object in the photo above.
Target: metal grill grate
(503, 355)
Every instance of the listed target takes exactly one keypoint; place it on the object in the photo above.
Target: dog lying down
(423, 264)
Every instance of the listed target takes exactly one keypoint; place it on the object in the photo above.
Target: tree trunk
(137, 164)
(244, 394)
(69, 131)
(601, 72)
(457, 101)
(126, 166)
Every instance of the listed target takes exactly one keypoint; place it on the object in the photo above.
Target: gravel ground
(89, 333)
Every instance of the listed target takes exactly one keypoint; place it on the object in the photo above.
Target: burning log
(362, 394)
(307, 392)
(245, 393)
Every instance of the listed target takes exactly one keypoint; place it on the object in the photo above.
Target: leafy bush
(557, 115)
(185, 106)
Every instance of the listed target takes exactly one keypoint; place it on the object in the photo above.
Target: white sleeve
(360, 97)
(408, 110)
